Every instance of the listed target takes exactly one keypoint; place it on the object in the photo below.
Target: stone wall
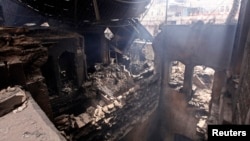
(21, 57)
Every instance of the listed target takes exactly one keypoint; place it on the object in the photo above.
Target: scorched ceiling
(88, 10)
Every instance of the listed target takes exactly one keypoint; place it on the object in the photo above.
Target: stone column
(216, 102)
(165, 73)
(188, 80)
(218, 84)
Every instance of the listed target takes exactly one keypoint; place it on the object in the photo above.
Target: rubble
(82, 120)
(198, 82)
(177, 76)
(118, 99)
(101, 105)
(202, 127)
(119, 102)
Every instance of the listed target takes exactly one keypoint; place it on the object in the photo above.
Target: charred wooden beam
(97, 14)
(12, 30)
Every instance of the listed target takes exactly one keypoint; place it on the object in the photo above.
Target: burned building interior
(90, 71)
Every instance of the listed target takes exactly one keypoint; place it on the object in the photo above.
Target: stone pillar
(57, 73)
(216, 102)
(165, 73)
(80, 67)
(39, 92)
(218, 84)
(188, 80)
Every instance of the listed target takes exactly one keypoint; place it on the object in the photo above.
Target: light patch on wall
(108, 34)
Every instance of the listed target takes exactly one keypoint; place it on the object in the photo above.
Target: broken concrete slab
(31, 124)
(82, 120)
(11, 98)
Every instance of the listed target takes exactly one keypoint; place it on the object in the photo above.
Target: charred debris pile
(90, 99)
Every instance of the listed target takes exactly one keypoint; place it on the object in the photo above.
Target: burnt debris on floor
(117, 102)
(115, 99)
